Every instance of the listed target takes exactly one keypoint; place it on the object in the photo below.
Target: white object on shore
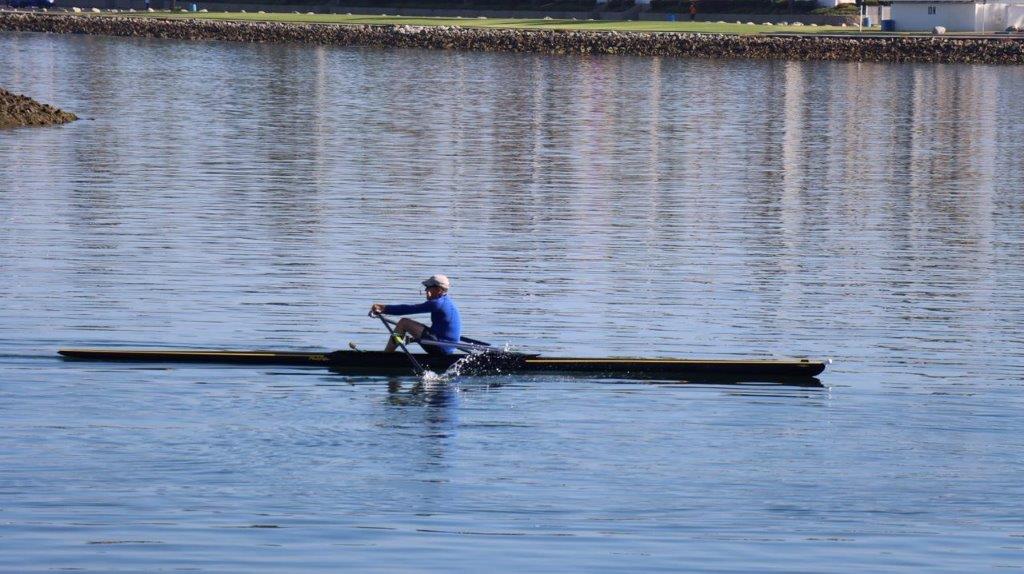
(76, 9)
(150, 10)
(939, 30)
(96, 10)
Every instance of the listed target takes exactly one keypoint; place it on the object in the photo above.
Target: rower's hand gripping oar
(419, 370)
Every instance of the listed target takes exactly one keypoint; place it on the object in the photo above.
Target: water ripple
(229, 195)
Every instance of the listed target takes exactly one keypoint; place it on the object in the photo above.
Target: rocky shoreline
(17, 111)
(939, 49)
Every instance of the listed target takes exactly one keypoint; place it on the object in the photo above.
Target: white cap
(438, 281)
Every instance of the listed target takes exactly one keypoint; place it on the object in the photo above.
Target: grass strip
(506, 23)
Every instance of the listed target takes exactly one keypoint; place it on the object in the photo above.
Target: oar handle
(382, 317)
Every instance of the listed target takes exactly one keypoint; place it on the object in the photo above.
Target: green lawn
(525, 24)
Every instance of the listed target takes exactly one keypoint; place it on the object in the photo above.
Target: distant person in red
(693, 10)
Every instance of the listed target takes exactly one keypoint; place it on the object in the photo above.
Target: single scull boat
(494, 362)
(477, 358)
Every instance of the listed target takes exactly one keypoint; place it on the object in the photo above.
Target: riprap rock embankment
(17, 110)
(939, 49)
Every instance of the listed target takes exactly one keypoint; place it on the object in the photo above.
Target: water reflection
(421, 393)
(231, 195)
(767, 207)
(426, 413)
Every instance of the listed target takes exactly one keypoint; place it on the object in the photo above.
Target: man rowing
(445, 323)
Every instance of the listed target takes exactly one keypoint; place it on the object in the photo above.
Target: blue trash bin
(888, 25)
(866, 21)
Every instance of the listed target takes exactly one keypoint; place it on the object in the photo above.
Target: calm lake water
(247, 196)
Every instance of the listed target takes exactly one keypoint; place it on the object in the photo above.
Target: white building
(957, 15)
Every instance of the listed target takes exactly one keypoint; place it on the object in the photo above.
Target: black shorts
(431, 349)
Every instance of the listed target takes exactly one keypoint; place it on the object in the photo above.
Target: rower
(445, 324)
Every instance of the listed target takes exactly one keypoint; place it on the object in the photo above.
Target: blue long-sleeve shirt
(445, 323)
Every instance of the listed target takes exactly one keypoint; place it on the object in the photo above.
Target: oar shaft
(460, 346)
(401, 343)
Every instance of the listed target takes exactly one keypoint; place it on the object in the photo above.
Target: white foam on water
(456, 369)
(429, 377)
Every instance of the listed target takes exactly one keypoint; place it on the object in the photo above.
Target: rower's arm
(424, 307)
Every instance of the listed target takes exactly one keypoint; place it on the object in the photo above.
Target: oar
(468, 347)
(465, 342)
(420, 371)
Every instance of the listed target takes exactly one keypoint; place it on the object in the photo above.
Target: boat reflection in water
(429, 393)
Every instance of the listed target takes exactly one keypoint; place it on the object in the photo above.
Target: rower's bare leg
(404, 326)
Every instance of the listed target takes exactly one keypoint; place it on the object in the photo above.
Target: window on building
(931, 9)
